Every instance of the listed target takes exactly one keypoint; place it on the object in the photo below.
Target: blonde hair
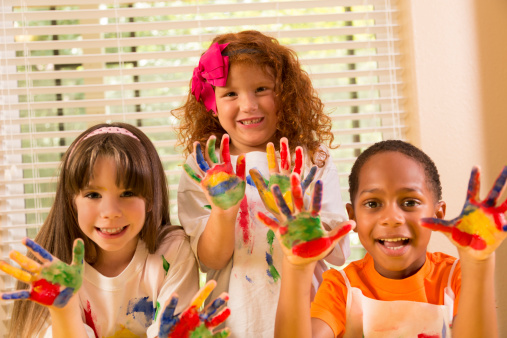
(301, 115)
(138, 169)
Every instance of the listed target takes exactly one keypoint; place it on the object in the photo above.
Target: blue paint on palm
(223, 187)
(201, 162)
(16, 295)
(38, 249)
(64, 297)
(168, 320)
(497, 189)
(282, 205)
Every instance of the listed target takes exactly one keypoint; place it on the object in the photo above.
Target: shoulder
(175, 245)
(440, 261)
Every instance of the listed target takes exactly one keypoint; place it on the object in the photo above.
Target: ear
(440, 210)
(351, 213)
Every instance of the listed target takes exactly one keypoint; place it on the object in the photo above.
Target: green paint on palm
(63, 274)
(191, 173)
(303, 229)
(281, 180)
(201, 332)
(231, 198)
(165, 264)
(211, 150)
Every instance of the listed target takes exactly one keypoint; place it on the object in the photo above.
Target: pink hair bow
(212, 70)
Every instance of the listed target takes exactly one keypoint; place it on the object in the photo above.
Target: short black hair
(405, 148)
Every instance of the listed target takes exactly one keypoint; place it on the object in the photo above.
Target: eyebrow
(377, 190)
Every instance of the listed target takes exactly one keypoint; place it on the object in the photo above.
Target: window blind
(68, 64)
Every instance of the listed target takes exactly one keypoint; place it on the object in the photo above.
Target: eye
(410, 203)
(92, 195)
(230, 94)
(371, 204)
(261, 89)
(128, 193)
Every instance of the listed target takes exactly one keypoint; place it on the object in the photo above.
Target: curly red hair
(301, 116)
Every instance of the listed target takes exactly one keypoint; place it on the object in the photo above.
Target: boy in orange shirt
(398, 288)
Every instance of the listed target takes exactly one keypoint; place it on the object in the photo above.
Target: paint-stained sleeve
(192, 211)
(333, 209)
(181, 275)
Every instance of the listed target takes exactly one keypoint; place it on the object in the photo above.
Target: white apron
(368, 317)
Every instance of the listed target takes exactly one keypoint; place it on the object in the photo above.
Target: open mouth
(394, 243)
(111, 231)
(251, 121)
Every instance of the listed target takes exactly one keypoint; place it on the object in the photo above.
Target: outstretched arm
(477, 232)
(52, 284)
(304, 241)
(225, 192)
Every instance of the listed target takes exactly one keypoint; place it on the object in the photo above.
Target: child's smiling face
(392, 196)
(247, 108)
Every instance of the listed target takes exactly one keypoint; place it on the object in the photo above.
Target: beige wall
(455, 53)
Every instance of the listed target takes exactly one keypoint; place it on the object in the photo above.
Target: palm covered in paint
(192, 322)
(300, 232)
(222, 186)
(53, 282)
(280, 175)
(481, 227)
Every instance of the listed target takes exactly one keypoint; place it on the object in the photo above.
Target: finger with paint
(223, 187)
(53, 282)
(300, 231)
(481, 226)
(193, 322)
(280, 175)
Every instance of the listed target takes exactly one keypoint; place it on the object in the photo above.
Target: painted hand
(192, 322)
(481, 227)
(300, 232)
(53, 282)
(223, 187)
(280, 176)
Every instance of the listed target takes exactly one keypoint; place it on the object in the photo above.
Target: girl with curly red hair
(251, 92)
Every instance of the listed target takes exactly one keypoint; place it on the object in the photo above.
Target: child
(399, 289)
(112, 193)
(251, 89)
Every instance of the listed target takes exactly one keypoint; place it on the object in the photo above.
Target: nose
(248, 103)
(110, 208)
(392, 215)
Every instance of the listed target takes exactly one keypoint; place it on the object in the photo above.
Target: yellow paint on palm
(270, 149)
(217, 178)
(25, 262)
(477, 223)
(16, 273)
(203, 293)
(288, 199)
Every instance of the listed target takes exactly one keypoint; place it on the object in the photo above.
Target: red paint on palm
(297, 192)
(317, 246)
(44, 292)
(298, 165)
(284, 154)
(189, 321)
(218, 319)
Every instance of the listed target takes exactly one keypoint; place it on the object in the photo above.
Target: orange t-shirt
(426, 286)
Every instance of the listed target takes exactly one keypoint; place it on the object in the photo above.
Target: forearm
(216, 244)
(66, 322)
(476, 316)
(293, 312)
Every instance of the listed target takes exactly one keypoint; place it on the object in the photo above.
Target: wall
(456, 82)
